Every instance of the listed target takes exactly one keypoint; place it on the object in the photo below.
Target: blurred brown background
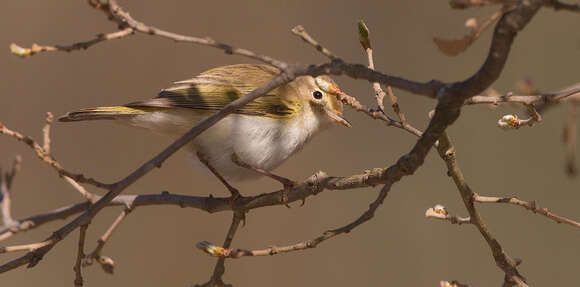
(399, 247)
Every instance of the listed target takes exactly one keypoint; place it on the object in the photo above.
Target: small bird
(250, 142)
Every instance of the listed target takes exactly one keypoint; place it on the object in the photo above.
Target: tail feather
(103, 113)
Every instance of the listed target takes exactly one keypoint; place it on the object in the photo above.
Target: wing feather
(214, 89)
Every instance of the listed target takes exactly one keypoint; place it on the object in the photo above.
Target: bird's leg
(235, 194)
(287, 183)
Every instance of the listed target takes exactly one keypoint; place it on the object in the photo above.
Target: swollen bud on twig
(508, 122)
(212, 249)
(107, 264)
(363, 35)
(20, 51)
(440, 209)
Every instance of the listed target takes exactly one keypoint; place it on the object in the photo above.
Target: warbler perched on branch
(250, 142)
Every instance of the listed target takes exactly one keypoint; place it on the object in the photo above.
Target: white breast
(261, 142)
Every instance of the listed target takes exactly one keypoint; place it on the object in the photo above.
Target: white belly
(258, 141)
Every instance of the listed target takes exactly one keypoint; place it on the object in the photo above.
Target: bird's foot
(288, 186)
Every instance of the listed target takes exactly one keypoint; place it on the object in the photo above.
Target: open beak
(337, 119)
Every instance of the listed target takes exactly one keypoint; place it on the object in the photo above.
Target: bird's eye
(317, 95)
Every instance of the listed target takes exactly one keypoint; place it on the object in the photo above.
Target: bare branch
(101, 242)
(542, 99)
(46, 133)
(301, 32)
(25, 247)
(39, 150)
(80, 256)
(86, 194)
(35, 49)
(312, 243)
(121, 17)
(531, 206)
(504, 262)
(379, 93)
(106, 263)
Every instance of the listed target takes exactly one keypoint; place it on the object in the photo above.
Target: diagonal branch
(504, 262)
(45, 157)
(120, 16)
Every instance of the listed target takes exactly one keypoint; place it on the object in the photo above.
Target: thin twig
(301, 32)
(312, 243)
(44, 154)
(35, 49)
(531, 206)
(510, 97)
(80, 256)
(377, 114)
(46, 133)
(379, 93)
(25, 247)
(96, 253)
(86, 194)
(39, 151)
(122, 17)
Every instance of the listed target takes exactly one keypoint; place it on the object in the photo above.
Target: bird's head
(320, 95)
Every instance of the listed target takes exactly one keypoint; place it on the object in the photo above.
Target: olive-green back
(214, 89)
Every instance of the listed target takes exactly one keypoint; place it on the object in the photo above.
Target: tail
(103, 113)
